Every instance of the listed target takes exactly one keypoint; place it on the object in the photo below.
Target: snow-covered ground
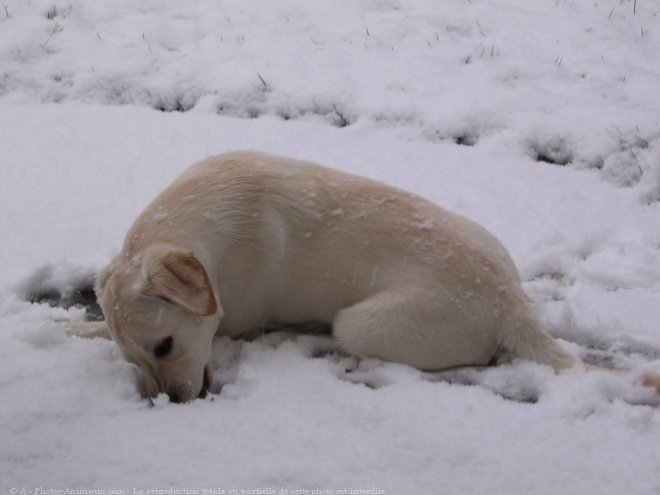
(540, 120)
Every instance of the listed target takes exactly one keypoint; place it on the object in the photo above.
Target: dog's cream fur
(244, 239)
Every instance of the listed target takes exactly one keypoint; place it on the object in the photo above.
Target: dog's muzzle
(207, 378)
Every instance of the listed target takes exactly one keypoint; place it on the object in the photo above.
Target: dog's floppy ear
(178, 276)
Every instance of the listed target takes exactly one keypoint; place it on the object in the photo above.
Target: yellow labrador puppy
(245, 239)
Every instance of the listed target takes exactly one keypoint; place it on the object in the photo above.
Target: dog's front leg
(88, 329)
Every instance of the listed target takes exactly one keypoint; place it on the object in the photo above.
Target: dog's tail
(524, 336)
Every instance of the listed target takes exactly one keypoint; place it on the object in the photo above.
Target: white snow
(463, 102)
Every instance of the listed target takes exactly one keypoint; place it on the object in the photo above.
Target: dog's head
(162, 312)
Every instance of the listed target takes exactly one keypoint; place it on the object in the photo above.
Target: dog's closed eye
(164, 348)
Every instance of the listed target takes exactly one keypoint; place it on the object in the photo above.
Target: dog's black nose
(174, 397)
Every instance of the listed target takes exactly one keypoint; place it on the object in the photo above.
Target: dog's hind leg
(432, 333)
(414, 328)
